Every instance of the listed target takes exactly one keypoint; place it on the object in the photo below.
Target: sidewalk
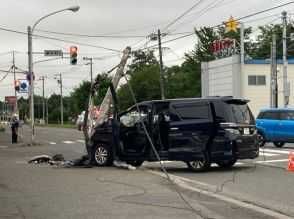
(5, 137)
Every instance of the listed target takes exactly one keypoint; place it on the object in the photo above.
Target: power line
(199, 13)
(6, 74)
(67, 41)
(260, 12)
(90, 36)
(190, 9)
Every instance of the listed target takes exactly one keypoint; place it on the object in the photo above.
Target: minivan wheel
(260, 139)
(279, 144)
(200, 166)
(226, 164)
(103, 155)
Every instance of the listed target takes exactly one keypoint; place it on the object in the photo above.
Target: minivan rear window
(241, 113)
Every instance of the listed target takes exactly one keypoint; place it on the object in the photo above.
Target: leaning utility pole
(274, 84)
(286, 87)
(161, 67)
(104, 108)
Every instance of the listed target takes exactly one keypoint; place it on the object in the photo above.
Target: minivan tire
(102, 155)
(200, 166)
(260, 139)
(279, 144)
(226, 164)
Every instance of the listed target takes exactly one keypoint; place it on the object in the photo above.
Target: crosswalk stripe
(80, 141)
(51, 142)
(274, 151)
(68, 142)
(261, 154)
(271, 161)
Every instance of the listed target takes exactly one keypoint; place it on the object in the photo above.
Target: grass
(32, 143)
(58, 125)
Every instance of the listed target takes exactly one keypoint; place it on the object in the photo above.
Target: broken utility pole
(104, 108)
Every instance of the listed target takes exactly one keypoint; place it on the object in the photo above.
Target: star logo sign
(231, 25)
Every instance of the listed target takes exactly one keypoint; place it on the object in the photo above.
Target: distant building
(224, 77)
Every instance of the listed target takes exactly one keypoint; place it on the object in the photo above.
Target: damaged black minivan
(197, 131)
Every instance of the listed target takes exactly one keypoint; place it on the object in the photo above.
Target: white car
(80, 121)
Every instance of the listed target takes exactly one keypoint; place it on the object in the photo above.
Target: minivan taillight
(230, 127)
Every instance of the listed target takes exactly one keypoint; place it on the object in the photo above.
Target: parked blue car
(275, 125)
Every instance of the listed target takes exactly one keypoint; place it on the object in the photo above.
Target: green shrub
(2, 129)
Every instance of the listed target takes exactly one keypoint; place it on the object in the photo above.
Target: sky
(102, 29)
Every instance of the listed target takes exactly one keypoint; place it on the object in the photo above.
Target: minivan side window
(193, 112)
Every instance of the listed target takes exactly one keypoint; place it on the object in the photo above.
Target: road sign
(52, 52)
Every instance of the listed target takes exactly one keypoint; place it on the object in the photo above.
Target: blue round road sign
(23, 86)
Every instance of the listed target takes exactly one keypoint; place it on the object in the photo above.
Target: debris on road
(47, 159)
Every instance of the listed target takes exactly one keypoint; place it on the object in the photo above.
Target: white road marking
(3, 146)
(51, 142)
(271, 161)
(264, 154)
(274, 151)
(80, 141)
(68, 142)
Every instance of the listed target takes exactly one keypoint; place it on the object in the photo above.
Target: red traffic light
(73, 49)
(73, 55)
(16, 84)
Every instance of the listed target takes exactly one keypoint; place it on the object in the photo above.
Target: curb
(207, 189)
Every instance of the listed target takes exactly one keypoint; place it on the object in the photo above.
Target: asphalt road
(42, 191)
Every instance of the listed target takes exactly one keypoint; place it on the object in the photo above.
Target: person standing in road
(14, 128)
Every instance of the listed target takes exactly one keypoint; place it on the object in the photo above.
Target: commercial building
(249, 80)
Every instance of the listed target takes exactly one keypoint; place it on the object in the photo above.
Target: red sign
(10, 100)
(222, 45)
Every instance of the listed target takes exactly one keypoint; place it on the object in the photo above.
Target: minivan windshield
(241, 113)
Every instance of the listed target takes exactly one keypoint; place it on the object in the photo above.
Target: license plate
(246, 131)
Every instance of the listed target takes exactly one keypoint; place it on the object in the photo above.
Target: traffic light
(73, 55)
(16, 84)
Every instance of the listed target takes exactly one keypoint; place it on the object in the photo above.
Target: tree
(80, 94)
(262, 48)
(143, 77)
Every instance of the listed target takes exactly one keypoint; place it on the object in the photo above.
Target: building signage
(224, 48)
(10, 100)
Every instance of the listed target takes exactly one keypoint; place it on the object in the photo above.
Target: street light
(30, 60)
